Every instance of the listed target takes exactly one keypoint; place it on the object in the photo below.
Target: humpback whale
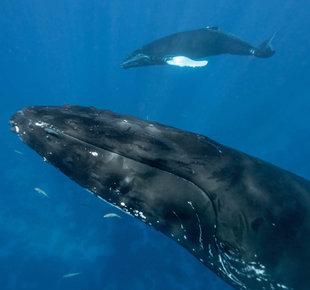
(190, 48)
(245, 219)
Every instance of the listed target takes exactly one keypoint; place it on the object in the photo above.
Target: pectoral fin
(183, 61)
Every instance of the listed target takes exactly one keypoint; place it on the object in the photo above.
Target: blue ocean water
(69, 52)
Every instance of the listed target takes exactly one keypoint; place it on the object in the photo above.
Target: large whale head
(245, 219)
(122, 160)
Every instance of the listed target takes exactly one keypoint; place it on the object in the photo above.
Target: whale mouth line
(136, 60)
(57, 133)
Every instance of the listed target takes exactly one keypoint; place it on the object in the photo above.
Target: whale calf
(245, 219)
(190, 47)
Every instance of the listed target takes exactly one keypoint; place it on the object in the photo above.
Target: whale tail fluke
(265, 49)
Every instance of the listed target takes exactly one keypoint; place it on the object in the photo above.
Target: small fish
(69, 275)
(18, 152)
(84, 205)
(41, 191)
(110, 215)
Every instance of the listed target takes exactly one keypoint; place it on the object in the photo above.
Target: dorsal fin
(213, 27)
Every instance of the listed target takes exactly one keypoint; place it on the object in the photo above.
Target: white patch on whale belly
(184, 61)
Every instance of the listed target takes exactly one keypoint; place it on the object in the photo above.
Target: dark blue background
(68, 52)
